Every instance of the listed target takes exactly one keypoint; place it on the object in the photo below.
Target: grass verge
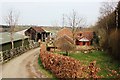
(104, 62)
(45, 72)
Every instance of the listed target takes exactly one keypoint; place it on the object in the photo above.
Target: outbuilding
(37, 33)
(84, 38)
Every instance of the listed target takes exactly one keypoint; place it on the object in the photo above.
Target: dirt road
(22, 66)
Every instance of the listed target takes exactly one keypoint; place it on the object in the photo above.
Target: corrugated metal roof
(22, 32)
(5, 37)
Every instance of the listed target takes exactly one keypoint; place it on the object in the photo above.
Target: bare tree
(106, 22)
(117, 15)
(107, 8)
(65, 46)
(75, 22)
(11, 20)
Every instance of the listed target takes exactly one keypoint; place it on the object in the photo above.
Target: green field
(103, 61)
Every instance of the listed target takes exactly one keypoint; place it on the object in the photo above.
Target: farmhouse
(36, 33)
(81, 37)
(84, 38)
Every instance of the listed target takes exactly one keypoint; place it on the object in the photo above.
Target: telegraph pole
(63, 21)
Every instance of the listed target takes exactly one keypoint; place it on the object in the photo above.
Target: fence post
(1, 57)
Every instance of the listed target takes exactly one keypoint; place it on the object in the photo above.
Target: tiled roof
(63, 39)
(64, 31)
(84, 34)
(38, 29)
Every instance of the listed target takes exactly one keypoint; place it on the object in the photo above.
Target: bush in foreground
(66, 67)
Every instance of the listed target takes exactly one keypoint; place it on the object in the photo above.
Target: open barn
(37, 33)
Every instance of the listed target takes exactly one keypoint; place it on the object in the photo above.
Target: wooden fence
(9, 54)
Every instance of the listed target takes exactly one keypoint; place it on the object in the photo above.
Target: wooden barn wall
(6, 46)
(18, 43)
(26, 42)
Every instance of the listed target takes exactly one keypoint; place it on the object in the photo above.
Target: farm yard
(61, 45)
(82, 61)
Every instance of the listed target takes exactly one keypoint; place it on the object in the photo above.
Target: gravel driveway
(22, 66)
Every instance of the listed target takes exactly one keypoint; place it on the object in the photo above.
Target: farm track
(22, 66)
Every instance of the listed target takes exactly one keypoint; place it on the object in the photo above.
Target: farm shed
(5, 41)
(36, 33)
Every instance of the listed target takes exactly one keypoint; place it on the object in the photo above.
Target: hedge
(66, 67)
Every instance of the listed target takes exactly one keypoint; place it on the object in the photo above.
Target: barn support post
(41, 37)
(36, 37)
(45, 36)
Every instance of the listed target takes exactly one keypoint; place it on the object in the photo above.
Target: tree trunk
(67, 53)
(22, 42)
(11, 35)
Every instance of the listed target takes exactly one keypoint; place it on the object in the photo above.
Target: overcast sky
(49, 12)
